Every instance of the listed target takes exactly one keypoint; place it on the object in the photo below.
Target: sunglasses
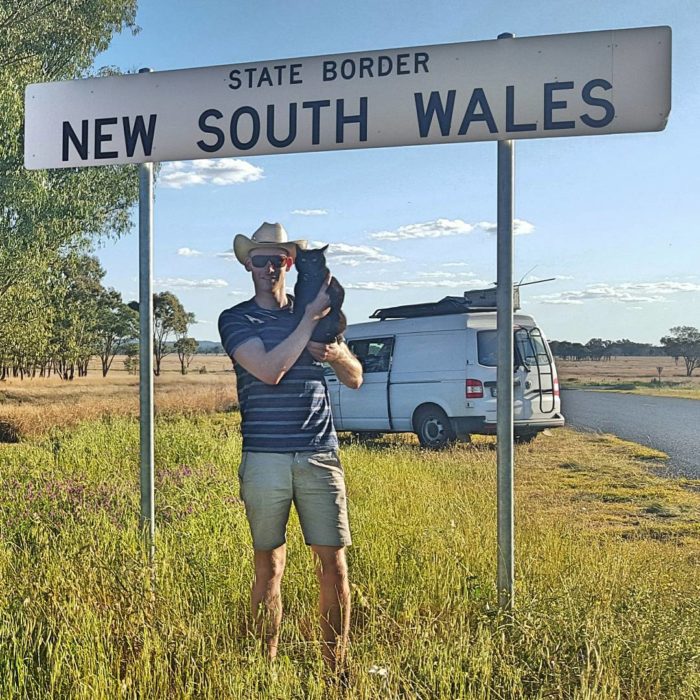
(277, 261)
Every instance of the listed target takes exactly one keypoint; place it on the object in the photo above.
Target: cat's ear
(324, 249)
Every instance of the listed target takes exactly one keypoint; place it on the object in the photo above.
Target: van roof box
(473, 300)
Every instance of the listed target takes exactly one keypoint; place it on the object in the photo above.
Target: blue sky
(613, 218)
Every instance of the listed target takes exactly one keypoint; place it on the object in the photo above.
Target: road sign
(560, 85)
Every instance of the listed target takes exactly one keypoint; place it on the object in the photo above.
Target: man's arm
(345, 365)
(270, 367)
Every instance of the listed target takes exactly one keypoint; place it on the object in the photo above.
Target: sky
(613, 218)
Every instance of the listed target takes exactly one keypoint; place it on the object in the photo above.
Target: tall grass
(608, 602)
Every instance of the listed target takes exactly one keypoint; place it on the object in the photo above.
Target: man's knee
(331, 565)
(269, 564)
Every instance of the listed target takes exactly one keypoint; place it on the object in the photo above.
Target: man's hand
(345, 365)
(320, 306)
(324, 353)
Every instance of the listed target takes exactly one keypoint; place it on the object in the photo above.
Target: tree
(186, 348)
(116, 325)
(41, 212)
(684, 341)
(169, 318)
(74, 290)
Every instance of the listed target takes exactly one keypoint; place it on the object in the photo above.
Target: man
(290, 448)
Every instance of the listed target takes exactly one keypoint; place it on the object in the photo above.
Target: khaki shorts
(314, 481)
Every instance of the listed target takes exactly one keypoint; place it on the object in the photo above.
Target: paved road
(667, 424)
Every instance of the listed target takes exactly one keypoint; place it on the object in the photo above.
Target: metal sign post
(504, 375)
(147, 518)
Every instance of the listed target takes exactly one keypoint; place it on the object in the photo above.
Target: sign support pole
(147, 519)
(504, 377)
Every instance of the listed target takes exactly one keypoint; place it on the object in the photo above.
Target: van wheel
(524, 438)
(433, 428)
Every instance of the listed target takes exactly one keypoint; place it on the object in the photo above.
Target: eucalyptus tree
(43, 211)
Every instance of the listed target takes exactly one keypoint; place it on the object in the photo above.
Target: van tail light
(556, 387)
(474, 389)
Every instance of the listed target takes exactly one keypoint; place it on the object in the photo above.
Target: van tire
(433, 427)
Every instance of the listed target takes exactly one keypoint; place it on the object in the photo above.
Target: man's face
(270, 277)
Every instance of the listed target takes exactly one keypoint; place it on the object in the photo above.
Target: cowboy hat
(267, 236)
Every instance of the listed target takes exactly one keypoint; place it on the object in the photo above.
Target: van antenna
(524, 284)
(520, 284)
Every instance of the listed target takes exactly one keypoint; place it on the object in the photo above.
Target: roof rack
(474, 300)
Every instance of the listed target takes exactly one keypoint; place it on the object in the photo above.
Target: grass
(633, 375)
(29, 407)
(608, 549)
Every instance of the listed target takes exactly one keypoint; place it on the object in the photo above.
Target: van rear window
(486, 342)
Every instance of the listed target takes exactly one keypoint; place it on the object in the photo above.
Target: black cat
(312, 272)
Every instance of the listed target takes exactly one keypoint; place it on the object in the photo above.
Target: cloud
(310, 212)
(188, 252)
(627, 292)
(459, 283)
(441, 228)
(428, 229)
(228, 255)
(182, 283)
(520, 227)
(217, 171)
(354, 255)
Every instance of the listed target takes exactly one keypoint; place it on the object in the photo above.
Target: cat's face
(311, 259)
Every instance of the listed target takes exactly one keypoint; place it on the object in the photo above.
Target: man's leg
(266, 490)
(266, 597)
(334, 602)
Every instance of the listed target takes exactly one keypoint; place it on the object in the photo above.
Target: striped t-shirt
(292, 416)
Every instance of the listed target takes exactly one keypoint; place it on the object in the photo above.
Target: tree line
(73, 318)
(682, 342)
(55, 314)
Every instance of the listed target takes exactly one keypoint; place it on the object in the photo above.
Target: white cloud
(217, 171)
(438, 228)
(228, 255)
(354, 255)
(183, 283)
(520, 227)
(626, 292)
(441, 228)
(188, 252)
(310, 212)
(457, 284)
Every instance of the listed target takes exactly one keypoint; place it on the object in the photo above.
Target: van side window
(487, 345)
(374, 354)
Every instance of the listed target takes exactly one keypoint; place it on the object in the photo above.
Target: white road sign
(602, 82)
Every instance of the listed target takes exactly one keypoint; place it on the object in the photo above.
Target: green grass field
(608, 587)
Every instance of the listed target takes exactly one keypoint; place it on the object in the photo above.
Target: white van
(431, 369)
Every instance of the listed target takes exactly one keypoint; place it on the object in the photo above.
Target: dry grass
(29, 407)
(642, 371)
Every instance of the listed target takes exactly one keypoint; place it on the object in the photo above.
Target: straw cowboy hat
(267, 236)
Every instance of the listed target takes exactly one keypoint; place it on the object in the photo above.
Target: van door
(486, 372)
(537, 373)
(367, 408)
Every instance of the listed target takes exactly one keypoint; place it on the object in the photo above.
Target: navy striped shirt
(292, 416)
